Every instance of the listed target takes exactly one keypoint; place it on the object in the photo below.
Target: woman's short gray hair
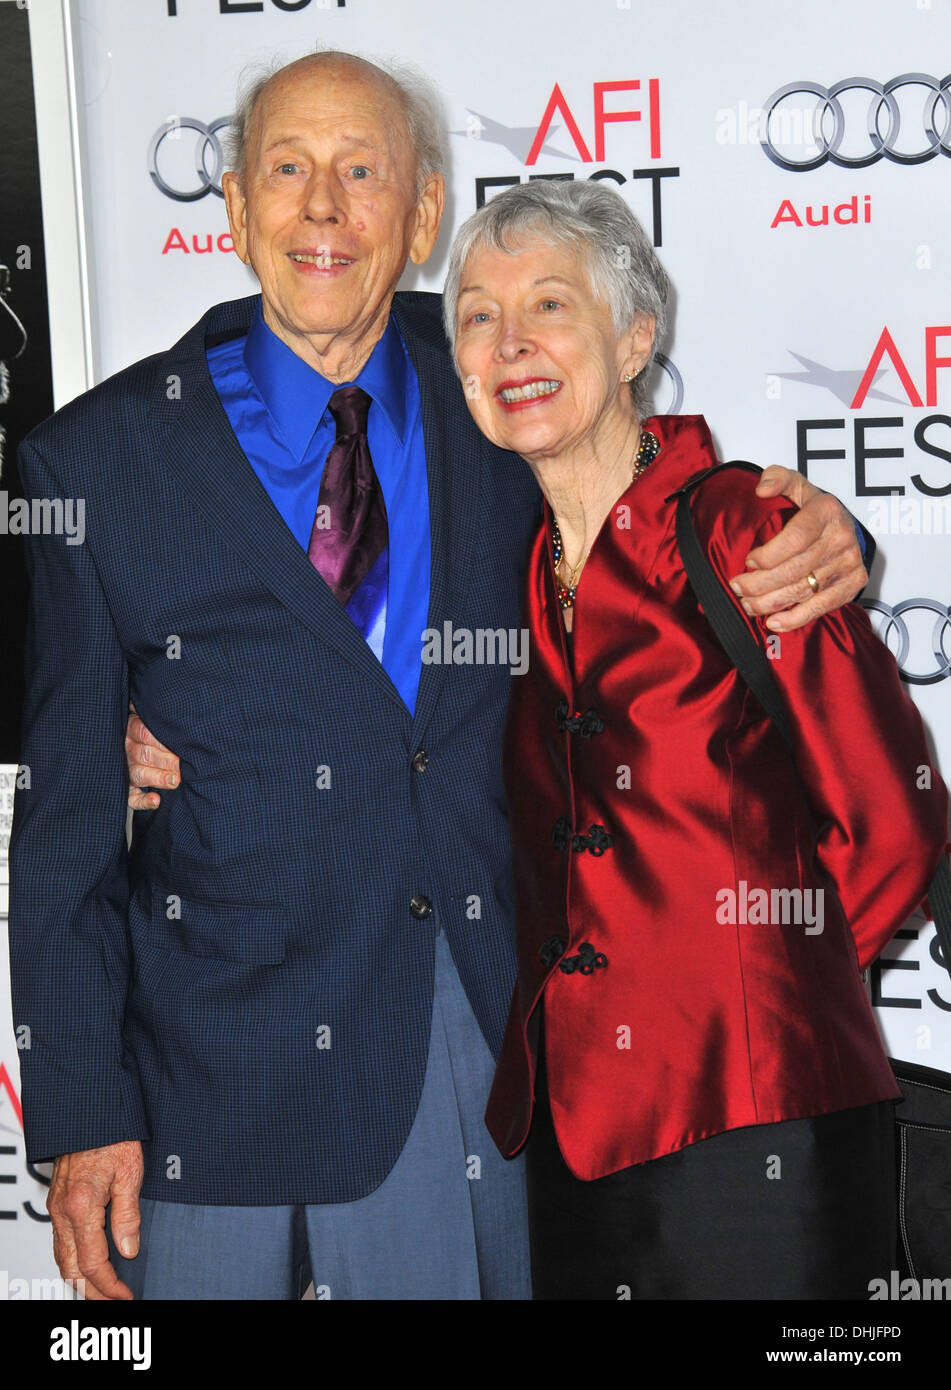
(418, 99)
(621, 262)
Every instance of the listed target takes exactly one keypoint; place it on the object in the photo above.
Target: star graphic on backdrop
(842, 384)
(9, 1118)
(9, 1101)
(517, 139)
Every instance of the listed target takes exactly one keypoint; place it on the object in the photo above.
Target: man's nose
(322, 198)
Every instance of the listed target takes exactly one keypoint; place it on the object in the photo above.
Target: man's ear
(237, 208)
(428, 217)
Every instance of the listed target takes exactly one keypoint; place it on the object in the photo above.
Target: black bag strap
(723, 615)
(720, 608)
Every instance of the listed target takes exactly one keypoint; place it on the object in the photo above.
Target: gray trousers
(448, 1222)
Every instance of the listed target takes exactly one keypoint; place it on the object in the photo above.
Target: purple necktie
(350, 531)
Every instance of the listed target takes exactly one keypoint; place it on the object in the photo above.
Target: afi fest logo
(578, 133)
(250, 6)
(574, 129)
(11, 1123)
(900, 472)
(886, 457)
(904, 483)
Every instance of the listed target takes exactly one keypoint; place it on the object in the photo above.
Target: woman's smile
(520, 395)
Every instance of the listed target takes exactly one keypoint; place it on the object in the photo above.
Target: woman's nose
(513, 341)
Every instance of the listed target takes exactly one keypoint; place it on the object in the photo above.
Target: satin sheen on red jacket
(648, 791)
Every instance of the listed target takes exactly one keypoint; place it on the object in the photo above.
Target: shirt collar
(296, 395)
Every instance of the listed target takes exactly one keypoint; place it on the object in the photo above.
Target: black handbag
(923, 1116)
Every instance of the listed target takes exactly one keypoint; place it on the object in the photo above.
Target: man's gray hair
(584, 214)
(418, 99)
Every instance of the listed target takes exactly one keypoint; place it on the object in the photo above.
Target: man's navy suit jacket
(247, 990)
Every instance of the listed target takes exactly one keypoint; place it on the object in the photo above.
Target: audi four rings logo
(208, 159)
(931, 661)
(890, 127)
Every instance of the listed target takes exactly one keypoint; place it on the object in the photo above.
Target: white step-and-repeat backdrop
(792, 163)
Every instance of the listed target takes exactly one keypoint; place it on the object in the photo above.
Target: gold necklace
(647, 450)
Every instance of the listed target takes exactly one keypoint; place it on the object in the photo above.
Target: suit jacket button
(420, 760)
(420, 906)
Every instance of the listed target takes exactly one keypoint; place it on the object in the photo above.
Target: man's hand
(83, 1185)
(819, 540)
(151, 764)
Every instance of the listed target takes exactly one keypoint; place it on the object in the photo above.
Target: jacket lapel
(454, 458)
(203, 453)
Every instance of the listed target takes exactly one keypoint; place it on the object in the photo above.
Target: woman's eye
(360, 171)
(480, 316)
(550, 304)
(288, 168)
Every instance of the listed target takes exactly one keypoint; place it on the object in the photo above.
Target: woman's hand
(819, 540)
(151, 764)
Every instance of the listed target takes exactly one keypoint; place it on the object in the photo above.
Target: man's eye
(360, 171)
(288, 168)
(551, 304)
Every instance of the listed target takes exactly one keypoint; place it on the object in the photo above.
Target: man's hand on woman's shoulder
(818, 540)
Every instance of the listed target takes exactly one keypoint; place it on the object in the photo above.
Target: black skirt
(801, 1209)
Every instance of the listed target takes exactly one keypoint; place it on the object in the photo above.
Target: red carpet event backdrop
(790, 161)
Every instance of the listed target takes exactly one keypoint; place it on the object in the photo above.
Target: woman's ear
(639, 339)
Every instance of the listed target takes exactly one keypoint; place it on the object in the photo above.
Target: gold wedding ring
(813, 582)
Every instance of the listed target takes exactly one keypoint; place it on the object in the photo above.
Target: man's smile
(320, 261)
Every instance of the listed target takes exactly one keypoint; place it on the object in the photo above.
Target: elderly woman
(707, 1103)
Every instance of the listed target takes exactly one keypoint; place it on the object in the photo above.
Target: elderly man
(266, 1029)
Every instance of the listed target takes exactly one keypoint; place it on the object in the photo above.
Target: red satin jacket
(654, 809)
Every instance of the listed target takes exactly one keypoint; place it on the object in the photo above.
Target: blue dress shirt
(277, 406)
